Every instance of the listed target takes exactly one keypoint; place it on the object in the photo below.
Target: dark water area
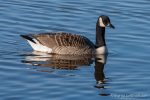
(26, 75)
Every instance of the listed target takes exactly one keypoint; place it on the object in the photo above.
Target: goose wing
(52, 40)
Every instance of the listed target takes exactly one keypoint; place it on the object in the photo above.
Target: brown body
(64, 43)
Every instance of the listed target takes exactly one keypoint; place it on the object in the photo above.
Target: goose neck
(100, 36)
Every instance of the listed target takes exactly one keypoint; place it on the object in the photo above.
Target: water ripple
(126, 73)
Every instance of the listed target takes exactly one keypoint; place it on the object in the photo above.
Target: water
(24, 76)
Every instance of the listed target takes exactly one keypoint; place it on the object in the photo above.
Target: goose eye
(106, 22)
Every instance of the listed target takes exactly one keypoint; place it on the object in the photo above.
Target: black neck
(100, 36)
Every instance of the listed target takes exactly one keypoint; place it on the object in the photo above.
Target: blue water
(24, 76)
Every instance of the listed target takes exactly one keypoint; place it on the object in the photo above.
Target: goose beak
(111, 26)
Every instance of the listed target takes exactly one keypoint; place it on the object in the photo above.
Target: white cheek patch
(101, 22)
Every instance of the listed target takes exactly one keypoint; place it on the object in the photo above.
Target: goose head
(104, 21)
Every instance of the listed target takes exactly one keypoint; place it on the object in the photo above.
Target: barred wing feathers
(65, 43)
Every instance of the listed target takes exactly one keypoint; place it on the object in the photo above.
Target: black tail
(28, 38)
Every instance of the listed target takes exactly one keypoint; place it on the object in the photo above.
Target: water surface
(126, 72)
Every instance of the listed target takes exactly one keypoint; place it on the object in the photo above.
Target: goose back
(65, 43)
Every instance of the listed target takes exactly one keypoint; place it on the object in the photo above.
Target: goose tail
(28, 37)
(35, 44)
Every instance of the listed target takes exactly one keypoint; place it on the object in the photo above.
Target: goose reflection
(100, 61)
(69, 62)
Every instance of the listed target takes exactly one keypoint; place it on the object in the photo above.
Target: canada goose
(67, 43)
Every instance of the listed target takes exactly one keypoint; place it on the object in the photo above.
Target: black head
(104, 21)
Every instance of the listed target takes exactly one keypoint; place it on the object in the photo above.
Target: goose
(67, 43)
